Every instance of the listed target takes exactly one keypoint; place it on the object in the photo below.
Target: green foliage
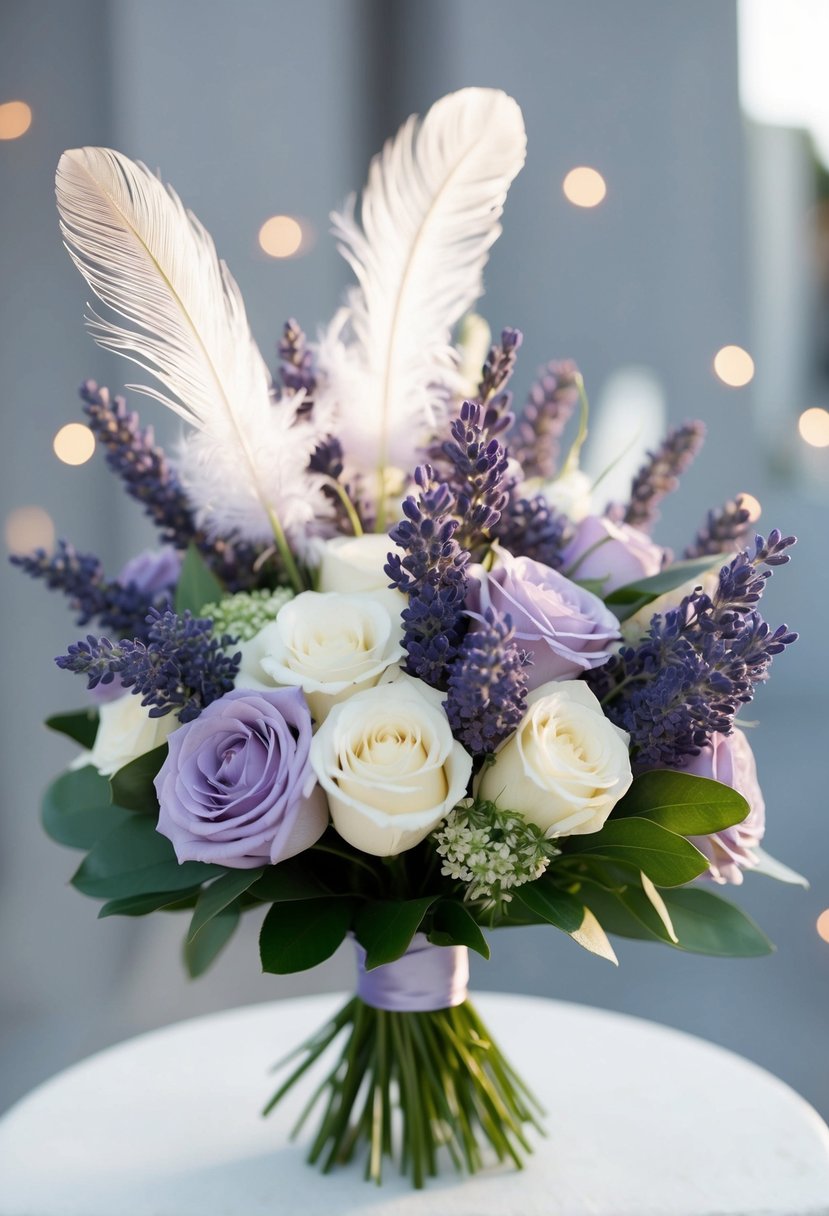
(545, 903)
(77, 810)
(667, 859)
(81, 726)
(135, 859)
(132, 785)
(218, 896)
(197, 584)
(627, 600)
(385, 927)
(201, 949)
(155, 901)
(302, 933)
(682, 803)
(285, 882)
(454, 925)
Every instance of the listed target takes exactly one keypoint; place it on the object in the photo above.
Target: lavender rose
(616, 553)
(729, 759)
(565, 629)
(237, 788)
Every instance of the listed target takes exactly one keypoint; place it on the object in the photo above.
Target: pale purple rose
(729, 759)
(616, 553)
(153, 571)
(565, 629)
(237, 788)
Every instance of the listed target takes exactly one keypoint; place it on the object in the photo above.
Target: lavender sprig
(698, 663)
(552, 399)
(487, 694)
(120, 608)
(660, 474)
(497, 371)
(296, 367)
(181, 667)
(530, 527)
(724, 530)
(352, 512)
(478, 472)
(432, 572)
(149, 478)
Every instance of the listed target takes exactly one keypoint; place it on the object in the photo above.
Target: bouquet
(392, 675)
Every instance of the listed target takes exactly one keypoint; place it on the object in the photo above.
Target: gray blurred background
(713, 232)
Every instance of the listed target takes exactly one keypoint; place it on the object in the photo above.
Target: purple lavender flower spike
(478, 473)
(660, 474)
(296, 367)
(496, 374)
(550, 405)
(530, 527)
(487, 686)
(725, 529)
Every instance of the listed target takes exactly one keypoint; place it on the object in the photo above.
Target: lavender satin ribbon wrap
(426, 978)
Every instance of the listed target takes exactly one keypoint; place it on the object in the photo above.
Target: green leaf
(385, 927)
(201, 950)
(453, 925)
(617, 917)
(76, 809)
(286, 882)
(667, 859)
(215, 898)
(141, 905)
(549, 903)
(80, 726)
(197, 584)
(135, 859)
(682, 803)
(707, 924)
(627, 600)
(132, 785)
(298, 935)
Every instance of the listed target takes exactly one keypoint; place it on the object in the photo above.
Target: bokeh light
(74, 443)
(751, 504)
(813, 425)
(584, 187)
(281, 236)
(15, 119)
(734, 366)
(29, 528)
(823, 925)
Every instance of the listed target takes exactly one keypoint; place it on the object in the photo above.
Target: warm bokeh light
(74, 443)
(813, 425)
(751, 504)
(823, 925)
(281, 236)
(584, 187)
(29, 528)
(15, 119)
(734, 366)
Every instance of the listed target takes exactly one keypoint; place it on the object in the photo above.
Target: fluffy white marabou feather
(154, 265)
(429, 215)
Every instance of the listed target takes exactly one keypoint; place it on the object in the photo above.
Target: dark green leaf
(141, 905)
(707, 924)
(132, 785)
(298, 935)
(215, 898)
(667, 859)
(197, 584)
(549, 903)
(135, 859)
(385, 927)
(287, 881)
(615, 916)
(201, 950)
(453, 925)
(76, 809)
(81, 726)
(627, 600)
(680, 802)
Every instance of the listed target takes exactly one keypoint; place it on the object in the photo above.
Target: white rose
(355, 563)
(571, 493)
(566, 766)
(390, 767)
(329, 645)
(125, 732)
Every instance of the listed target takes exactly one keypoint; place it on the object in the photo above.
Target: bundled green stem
(440, 1070)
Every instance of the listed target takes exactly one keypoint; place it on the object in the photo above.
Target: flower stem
(288, 561)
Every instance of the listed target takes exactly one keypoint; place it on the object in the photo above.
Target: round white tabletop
(643, 1121)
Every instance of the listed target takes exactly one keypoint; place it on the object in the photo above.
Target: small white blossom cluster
(492, 850)
(243, 615)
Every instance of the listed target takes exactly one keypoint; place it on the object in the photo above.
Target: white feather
(153, 264)
(429, 216)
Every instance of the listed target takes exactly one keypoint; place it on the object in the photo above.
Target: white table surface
(643, 1121)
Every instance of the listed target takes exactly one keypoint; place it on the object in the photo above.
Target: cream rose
(355, 563)
(566, 766)
(390, 767)
(329, 645)
(125, 732)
